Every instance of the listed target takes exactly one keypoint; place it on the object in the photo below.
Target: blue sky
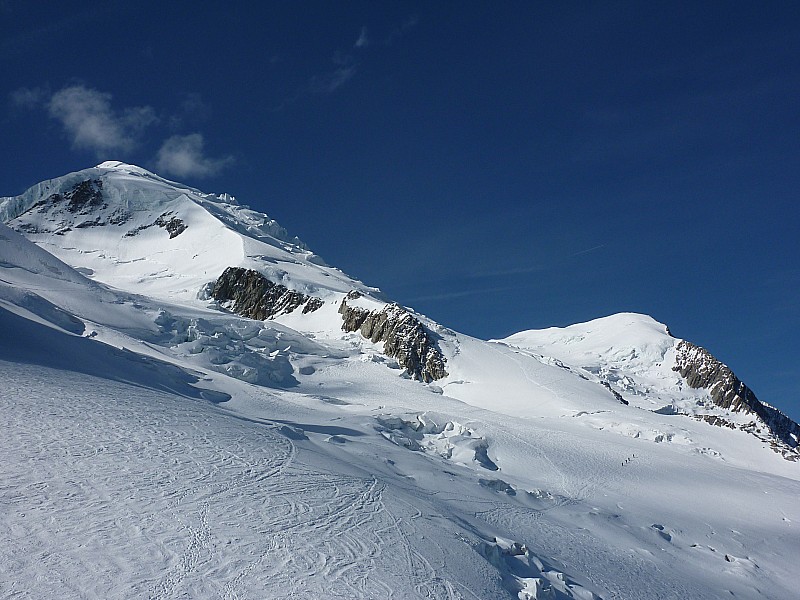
(497, 166)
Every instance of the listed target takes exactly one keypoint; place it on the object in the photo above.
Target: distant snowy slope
(632, 353)
(516, 383)
(638, 359)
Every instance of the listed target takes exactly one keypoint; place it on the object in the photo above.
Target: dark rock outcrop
(85, 196)
(173, 225)
(64, 210)
(67, 211)
(250, 294)
(404, 337)
(701, 370)
(82, 198)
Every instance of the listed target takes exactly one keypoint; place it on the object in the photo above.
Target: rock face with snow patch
(404, 336)
(67, 210)
(84, 205)
(172, 224)
(249, 294)
(701, 370)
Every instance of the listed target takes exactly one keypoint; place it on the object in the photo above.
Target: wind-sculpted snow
(151, 497)
(36, 306)
(30, 342)
(404, 337)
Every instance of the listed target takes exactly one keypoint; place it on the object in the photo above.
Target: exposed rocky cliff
(701, 370)
(81, 206)
(248, 293)
(404, 337)
(67, 210)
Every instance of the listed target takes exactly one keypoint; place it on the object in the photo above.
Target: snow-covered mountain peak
(643, 365)
(623, 337)
(118, 165)
(137, 231)
(119, 172)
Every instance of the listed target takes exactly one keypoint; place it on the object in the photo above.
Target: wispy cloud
(91, 123)
(401, 30)
(345, 65)
(331, 81)
(183, 156)
(363, 40)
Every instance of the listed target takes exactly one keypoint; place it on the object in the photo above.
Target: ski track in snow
(166, 500)
(114, 491)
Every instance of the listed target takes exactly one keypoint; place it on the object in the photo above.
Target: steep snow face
(132, 229)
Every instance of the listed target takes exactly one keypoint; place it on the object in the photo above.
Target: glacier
(158, 444)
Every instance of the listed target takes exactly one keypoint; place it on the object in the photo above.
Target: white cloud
(182, 156)
(91, 122)
(88, 118)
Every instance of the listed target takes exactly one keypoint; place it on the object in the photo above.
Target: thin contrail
(588, 250)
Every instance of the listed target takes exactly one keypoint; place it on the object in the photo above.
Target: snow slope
(158, 446)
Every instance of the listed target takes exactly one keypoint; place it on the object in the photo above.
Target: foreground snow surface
(117, 490)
